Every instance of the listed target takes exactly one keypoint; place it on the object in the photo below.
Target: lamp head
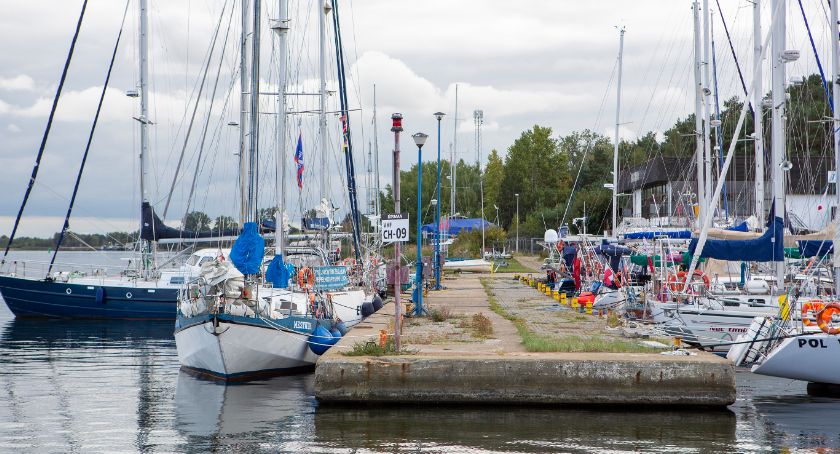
(439, 115)
(420, 139)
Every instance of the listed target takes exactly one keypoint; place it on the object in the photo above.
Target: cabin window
(176, 280)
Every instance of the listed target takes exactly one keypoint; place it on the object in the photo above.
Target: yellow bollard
(574, 302)
(547, 291)
(589, 307)
(563, 299)
(556, 295)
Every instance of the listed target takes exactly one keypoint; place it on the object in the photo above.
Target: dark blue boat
(49, 299)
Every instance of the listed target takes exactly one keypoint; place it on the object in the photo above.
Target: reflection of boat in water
(33, 334)
(523, 429)
(208, 409)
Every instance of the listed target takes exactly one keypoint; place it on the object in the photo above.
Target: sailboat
(232, 323)
(147, 292)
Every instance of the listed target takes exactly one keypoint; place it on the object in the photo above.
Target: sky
(551, 63)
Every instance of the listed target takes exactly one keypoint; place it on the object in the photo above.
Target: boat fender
(100, 295)
(367, 309)
(377, 303)
(336, 334)
(826, 319)
(342, 328)
(320, 340)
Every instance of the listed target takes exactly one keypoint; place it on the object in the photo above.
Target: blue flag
(299, 161)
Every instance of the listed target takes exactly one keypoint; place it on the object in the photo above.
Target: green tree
(196, 221)
(494, 172)
(224, 223)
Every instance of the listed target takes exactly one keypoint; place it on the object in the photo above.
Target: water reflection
(522, 430)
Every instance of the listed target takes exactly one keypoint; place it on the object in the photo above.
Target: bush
(482, 326)
(468, 244)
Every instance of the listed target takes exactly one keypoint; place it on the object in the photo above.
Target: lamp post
(419, 140)
(517, 222)
(396, 128)
(439, 116)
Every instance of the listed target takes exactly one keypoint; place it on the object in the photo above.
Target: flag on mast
(344, 132)
(299, 161)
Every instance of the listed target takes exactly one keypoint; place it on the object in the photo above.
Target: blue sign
(331, 277)
(316, 223)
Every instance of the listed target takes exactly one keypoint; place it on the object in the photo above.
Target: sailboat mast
(615, 149)
(835, 92)
(144, 126)
(376, 207)
(281, 27)
(758, 122)
(777, 145)
(707, 109)
(243, 115)
(322, 114)
(698, 120)
(454, 169)
(253, 120)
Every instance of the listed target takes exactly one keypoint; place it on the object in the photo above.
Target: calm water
(69, 386)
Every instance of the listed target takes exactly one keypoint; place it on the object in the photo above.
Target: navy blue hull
(41, 299)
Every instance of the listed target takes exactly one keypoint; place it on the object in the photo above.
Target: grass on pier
(515, 267)
(535, 342)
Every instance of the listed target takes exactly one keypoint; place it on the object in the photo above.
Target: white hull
(348, 306)
(812, 357)
(708, 327)
(242, 350)
(469, 266)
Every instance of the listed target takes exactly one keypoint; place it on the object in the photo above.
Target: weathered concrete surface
(498, 370)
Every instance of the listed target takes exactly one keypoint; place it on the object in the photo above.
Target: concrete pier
(447, 366)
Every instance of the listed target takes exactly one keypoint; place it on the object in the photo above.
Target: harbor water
(92, 386)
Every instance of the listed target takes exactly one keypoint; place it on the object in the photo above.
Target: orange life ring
(306, 277)
(815, 307)
(676, 282)
(825, 319)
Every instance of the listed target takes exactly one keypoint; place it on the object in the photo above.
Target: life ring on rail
(814, 307)
(306, 277)
(826, 316)
(677, 281)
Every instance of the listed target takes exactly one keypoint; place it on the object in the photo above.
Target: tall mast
(376, 208)
(253, 120)
(243, 115)
(144, 127)
(777, 145)
(281, 27)
(698, 120)
(707, 109)
(615, 149)
(835, 92)
(322, 10)
(454, 169)
(478, 116)
(758, 132)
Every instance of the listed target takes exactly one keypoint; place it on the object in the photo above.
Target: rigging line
(195, 110)
(209, 114)
(66, 224)
(46, 135)
(589, 145)
(817, 56)
(732, 49)
(718, 129)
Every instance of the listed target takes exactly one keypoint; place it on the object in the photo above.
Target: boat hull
(811, 357)
(29, 298)
(711, 329)
(232, 348)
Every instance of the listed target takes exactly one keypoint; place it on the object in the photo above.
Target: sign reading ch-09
(395, 228)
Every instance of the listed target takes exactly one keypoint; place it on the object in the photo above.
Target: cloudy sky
(550, 63)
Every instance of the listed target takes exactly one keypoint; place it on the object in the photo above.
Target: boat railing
(39, 268)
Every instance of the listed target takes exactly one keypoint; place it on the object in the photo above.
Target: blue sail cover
(457, 225)
(769, 247)
(742, 227)
(569, 254)
(613, 252)
(816, 248)
(679, 235)
(278, 272)
(248, 250)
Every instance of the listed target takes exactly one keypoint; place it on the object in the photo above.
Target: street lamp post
(419, 140)
(439, 116)
(517, 222)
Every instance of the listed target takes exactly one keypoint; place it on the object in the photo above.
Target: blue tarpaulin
(679, 234)
(769, 247)
(457, 225)
(815, 248)
(742, 227)
(279, 273)
(248, 250)
(613, 252)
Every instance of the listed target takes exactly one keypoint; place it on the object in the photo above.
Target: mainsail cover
(248, 250)
(769, 247)
(154, 229)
